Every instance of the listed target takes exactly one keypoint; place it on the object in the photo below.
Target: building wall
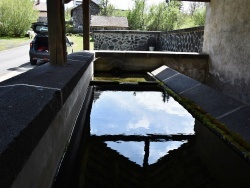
(77, 15)
(42, 17)
(227, 41)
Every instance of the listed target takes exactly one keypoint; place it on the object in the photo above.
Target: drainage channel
(137, 135)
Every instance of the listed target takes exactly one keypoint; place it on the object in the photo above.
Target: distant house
(76, 14)
(108, 23)
(42, 8)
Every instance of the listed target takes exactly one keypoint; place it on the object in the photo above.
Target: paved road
(14, 61)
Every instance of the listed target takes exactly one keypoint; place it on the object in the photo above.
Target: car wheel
(32, 62)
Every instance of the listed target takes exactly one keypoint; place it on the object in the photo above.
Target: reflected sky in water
(138, 113)
(134, 151)
(160, 149)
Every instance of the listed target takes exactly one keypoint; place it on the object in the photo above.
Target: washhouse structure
(43, 111)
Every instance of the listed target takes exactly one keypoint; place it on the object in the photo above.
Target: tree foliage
(164, 16)
(136, 16)
(199, 16)
(193, 6)
(167, 15)
(107, 8)
(16, 17)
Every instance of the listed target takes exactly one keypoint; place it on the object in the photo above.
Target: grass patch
(8, 42)
(78, 43)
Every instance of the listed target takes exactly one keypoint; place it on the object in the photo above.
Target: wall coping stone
(28, 104)
(151, 32)
(187, 30)
(234, 114)
(127, 31)
(147, 54)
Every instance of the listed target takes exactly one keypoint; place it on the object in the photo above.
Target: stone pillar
(86, 24)
(57, 41)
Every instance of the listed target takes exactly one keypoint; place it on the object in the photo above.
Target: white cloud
(142, 123)
(152, 102)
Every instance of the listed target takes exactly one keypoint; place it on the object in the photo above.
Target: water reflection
(138, 113)
(159, 149)
(143, 114)
(135, 147)
(134, 151)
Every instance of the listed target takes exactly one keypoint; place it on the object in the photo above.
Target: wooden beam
(57, 40)
(66, 1)
(86, 23)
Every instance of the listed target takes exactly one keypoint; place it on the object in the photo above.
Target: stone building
(227, 41)
(76, 14)
(42, 9)
(108, 23)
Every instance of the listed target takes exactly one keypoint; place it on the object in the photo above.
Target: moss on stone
(230, 137)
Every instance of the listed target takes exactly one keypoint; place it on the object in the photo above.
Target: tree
(68, 14)
(16, 17)
(107, 8)
(199, 16)
(156, 16)
(136, 16)
(195, 5)
(68, 21)
(164, 16)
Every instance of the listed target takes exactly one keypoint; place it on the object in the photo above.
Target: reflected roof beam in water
(139, 138)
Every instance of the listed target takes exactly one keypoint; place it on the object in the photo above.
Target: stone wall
(185, 40)
(124, 40)
(227, 41)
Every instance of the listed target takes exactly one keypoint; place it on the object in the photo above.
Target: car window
(42, 29)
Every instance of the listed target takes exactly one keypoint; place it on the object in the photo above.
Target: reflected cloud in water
(138, 113)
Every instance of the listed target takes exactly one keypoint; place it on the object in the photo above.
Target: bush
(16, 17)
(199, 16)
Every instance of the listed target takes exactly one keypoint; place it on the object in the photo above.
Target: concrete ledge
(194, 65)
(126, 31)
(233, 113)
(159, 54)
(215, 103)
(238, 121)
(181, 83)
(29, 105)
